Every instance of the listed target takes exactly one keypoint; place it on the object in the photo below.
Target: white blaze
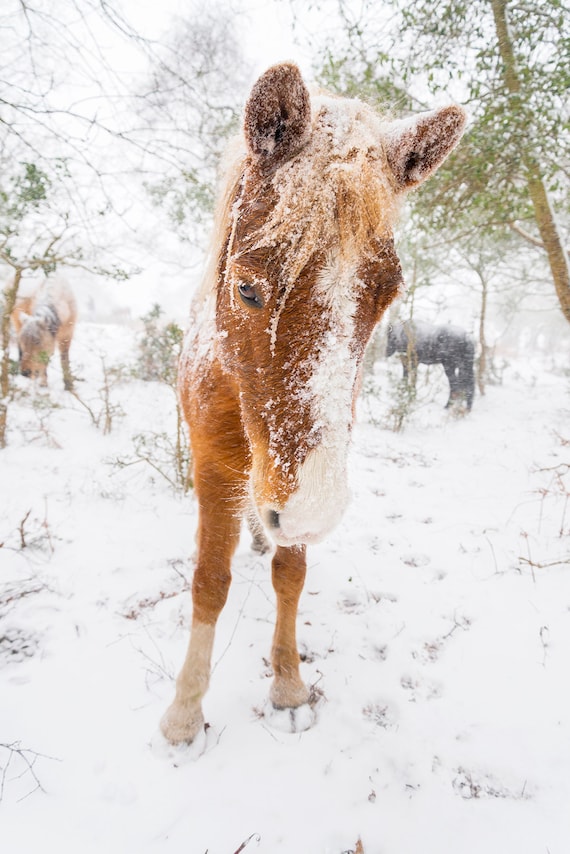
(322, 494)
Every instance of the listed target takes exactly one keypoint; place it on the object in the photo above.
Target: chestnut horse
(302, 268)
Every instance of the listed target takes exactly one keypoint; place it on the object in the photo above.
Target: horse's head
(307, 269)
(36, 344)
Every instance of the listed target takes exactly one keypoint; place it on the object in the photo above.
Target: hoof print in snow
(380, 652)
(469, 785)
(16, 645)
(351, 605)
(419, 690)
(429, 651)
(415, 560)
(307, 655)
(290, 720)
(380, 714)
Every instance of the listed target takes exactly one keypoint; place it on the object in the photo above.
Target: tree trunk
(482, 366)
(557, 256)
(10, 294)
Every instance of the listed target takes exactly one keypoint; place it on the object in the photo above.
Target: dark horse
(449, 346)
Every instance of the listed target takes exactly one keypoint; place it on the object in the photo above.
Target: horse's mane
(231, 171)
(334, 196)
(31, 333)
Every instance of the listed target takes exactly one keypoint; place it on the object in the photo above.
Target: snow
(440, 652)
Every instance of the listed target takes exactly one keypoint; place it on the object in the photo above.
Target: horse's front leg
(450, 369)
(289, 568)
(64, 345)
(218, 535)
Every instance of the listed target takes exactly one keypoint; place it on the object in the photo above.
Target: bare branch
(536, 565)
(535, 241)
(28, 758)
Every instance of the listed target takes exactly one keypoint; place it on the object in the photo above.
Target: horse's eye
(249, 295)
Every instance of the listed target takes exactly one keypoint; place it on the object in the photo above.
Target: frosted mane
(232, 169)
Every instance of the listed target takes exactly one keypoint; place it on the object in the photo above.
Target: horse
(23, 307)
(449, 346)
(302, 267)
(41, 321)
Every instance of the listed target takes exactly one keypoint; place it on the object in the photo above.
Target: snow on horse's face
(308, 268)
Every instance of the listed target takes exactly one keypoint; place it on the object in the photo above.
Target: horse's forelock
(334, 193)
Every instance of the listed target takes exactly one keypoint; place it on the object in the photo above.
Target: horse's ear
(417, 146)
(277, 122)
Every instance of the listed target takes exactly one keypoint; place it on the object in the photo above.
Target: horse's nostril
(273, 519)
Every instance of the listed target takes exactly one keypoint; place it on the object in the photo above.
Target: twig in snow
(45, 526)
(494, 555)
(461, 623)
(545, 641)
(255, 836)
(534, 565)
(529, 559)
(238, 620)
(29, 758)
(158, 667)
(13, 594)
(22, 530)
(28, 534)
(149, 602)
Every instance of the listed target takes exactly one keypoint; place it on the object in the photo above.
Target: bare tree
(83, 142)
(194, 95)
(508, 63)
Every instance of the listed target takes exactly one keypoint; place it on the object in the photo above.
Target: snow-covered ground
(435, 621)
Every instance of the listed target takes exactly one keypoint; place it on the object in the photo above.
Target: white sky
(268, 26)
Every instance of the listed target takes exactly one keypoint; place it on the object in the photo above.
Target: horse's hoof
(288, 694)
(180, 726)
(290, 720)
(260, 545)
(180, 753)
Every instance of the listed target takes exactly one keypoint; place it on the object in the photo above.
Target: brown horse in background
(41, 321)
(23, 307)
(302, 268)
